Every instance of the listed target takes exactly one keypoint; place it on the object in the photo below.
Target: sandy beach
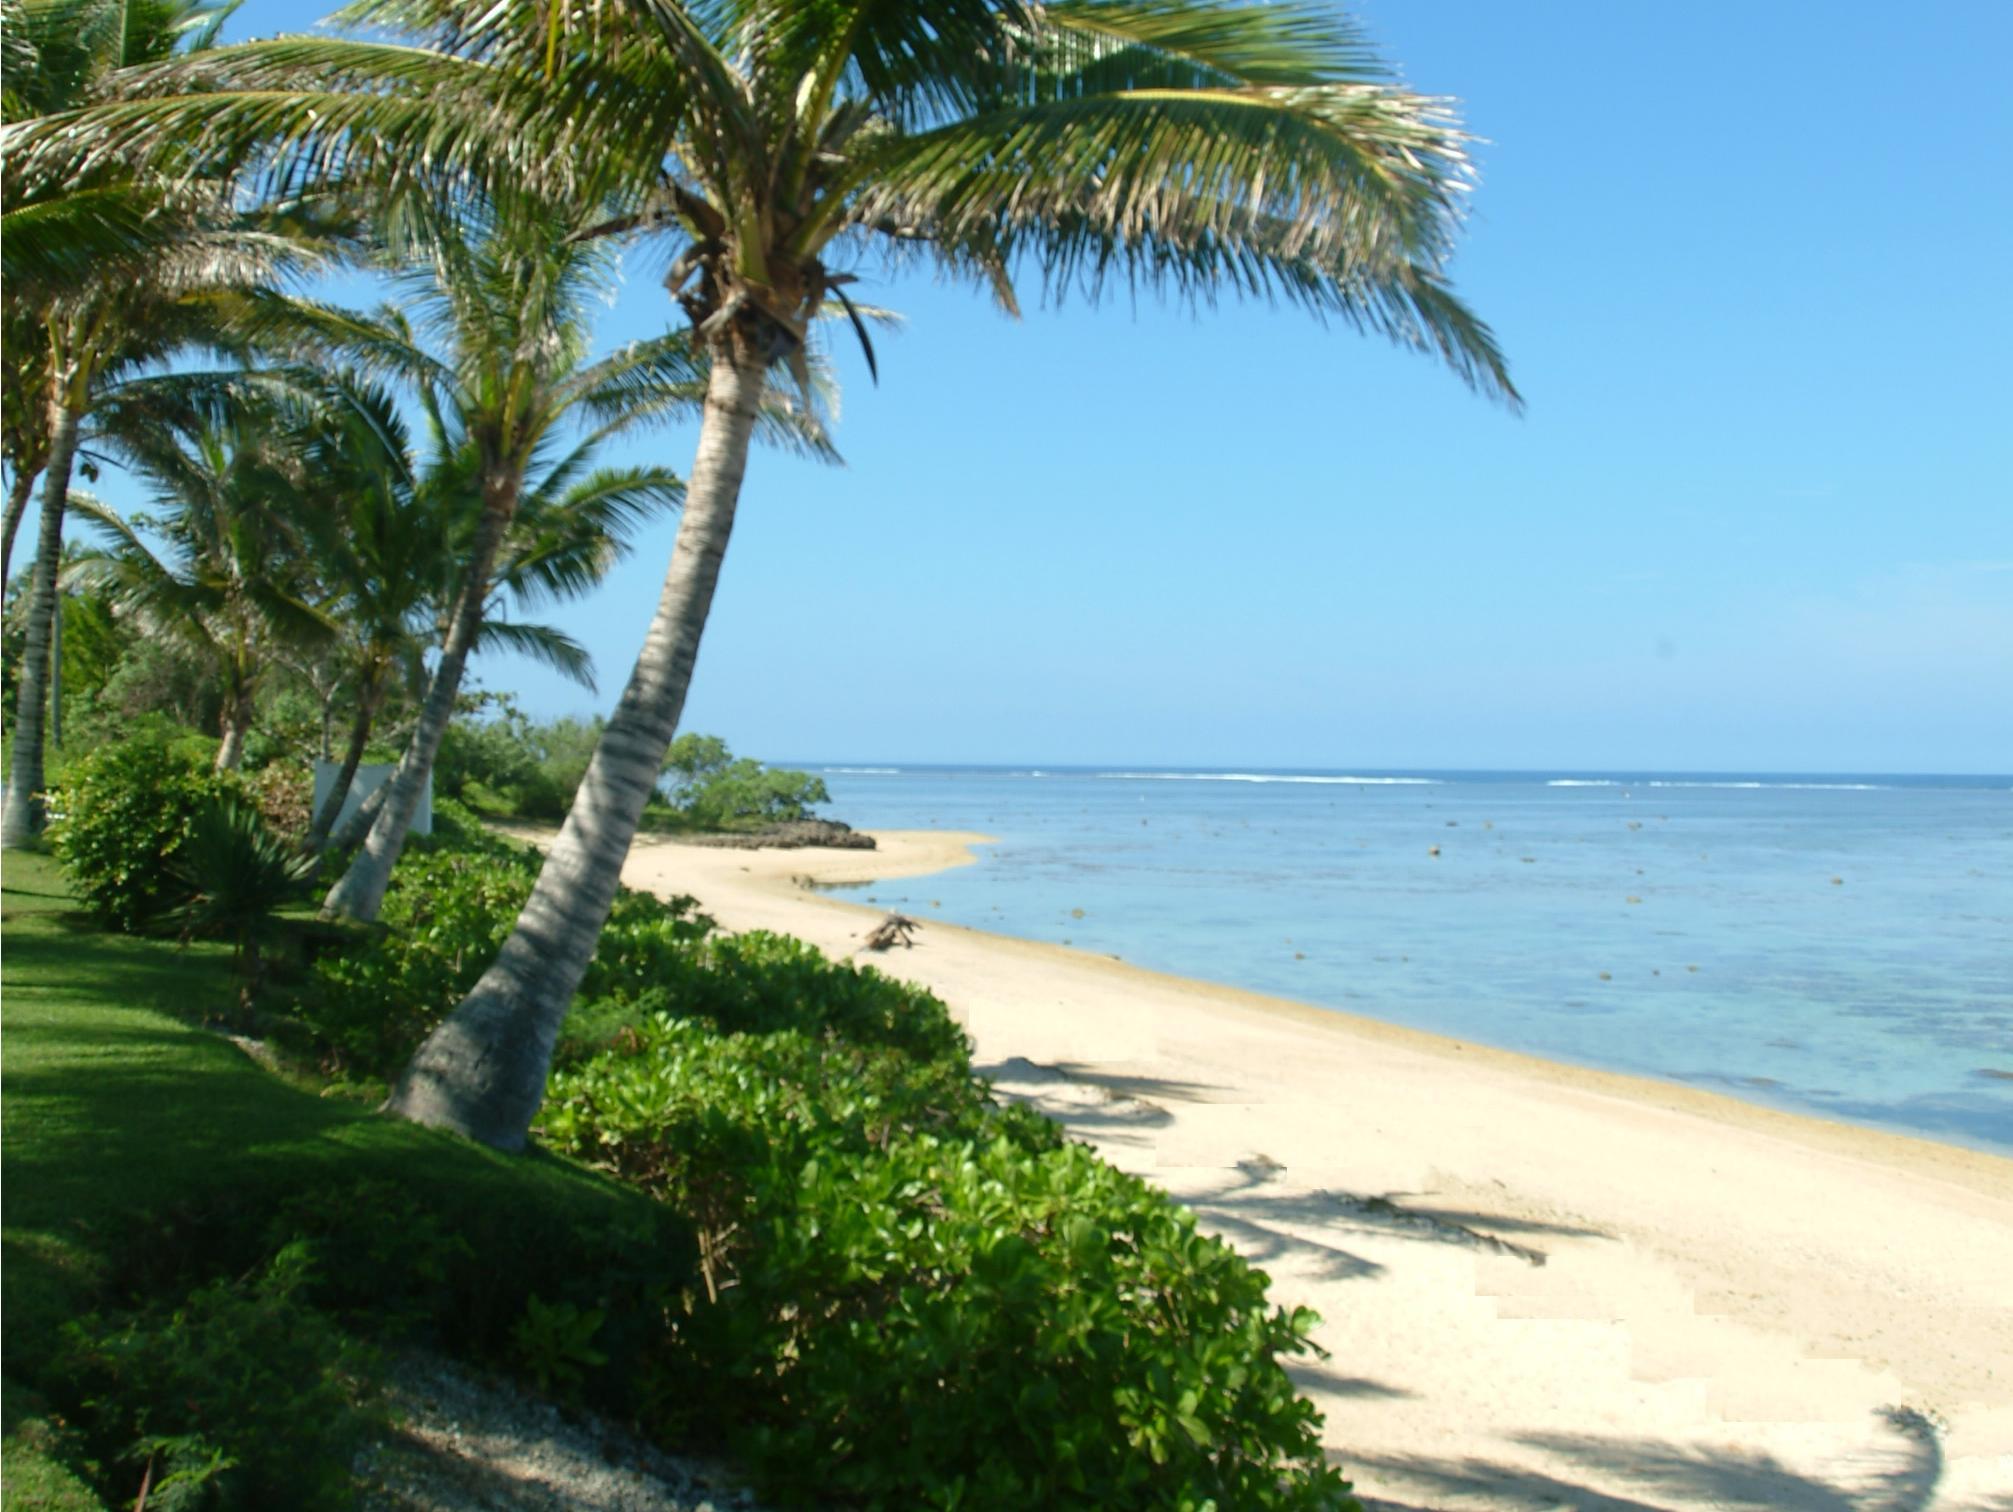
(1542, 1286)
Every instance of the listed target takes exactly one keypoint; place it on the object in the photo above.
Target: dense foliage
(713, 788)
(126, 810)
(907, 1294)
(921, 1298)
(241, 1397)
(871, 1280)
(510, 763)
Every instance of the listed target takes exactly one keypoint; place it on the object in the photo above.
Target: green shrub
(914, 1297)
(711, 787)
(242, 1397)
(451, 904)
(508, 1283)
(510, 762)
(758, 982)
(127, 809)
(444, 918)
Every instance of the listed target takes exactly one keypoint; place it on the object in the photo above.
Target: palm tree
(1186, 146)
(510, 294)
(395, 546)
(233, 583)
(1192, 147)
(106, 272)
(24, 437)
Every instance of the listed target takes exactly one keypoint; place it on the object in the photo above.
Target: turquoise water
(1686, 927)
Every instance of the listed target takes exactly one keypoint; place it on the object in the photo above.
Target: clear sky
(1750, 263)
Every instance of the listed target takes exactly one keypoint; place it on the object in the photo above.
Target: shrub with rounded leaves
(444, 918)
(127, 808)
(913, 1296)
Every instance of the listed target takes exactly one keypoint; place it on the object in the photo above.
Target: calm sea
(1838, 945)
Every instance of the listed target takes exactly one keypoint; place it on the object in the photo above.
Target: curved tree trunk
(360, 892)
(368, 695)
(18, 494)
(482, 1073)
(21, 820)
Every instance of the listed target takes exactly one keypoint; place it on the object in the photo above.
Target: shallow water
(1838, 945)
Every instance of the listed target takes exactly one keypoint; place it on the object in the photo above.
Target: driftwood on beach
(895, 929)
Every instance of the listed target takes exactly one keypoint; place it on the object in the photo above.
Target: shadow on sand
(1900, 1474)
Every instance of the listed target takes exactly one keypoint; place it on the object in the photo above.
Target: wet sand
(1542, 1286)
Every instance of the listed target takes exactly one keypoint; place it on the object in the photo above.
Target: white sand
(1682, 1301)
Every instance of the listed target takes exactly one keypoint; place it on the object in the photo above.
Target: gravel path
(463, 1443)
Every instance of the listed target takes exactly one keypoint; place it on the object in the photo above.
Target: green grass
(121, 1113)
(32, 1477)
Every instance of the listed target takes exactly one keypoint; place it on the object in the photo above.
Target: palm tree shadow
(1650, 1476)
(1268, 1228)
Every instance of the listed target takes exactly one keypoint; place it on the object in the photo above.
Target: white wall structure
(369, 777)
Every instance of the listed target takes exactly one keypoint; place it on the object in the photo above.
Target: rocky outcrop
(791, 834)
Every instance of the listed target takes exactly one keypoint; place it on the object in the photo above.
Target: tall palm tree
(106, 271)
(1187, 146)
(509, 294)
(1194, 147)
(232, 582)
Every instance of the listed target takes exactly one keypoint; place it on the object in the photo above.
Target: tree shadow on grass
(1901, 1474)
(87, 965)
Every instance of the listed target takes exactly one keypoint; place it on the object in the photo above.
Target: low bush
(758, 983)
(241, 1397)
(912, 1296)
(446, 914)
(452, 902)
(126, 811)
(905, 1293)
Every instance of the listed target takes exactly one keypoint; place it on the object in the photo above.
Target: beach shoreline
(1539, 1280)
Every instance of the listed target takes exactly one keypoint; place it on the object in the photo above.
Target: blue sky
(1750, 265)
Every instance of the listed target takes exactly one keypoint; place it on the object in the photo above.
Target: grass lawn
(121, 1118)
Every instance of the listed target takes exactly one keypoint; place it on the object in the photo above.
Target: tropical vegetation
(802, 1157)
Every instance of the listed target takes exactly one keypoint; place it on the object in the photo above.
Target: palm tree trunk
(360, 891)
(237, 725)
(328, 723)
(18, 494)
(359, 824)
(21, 819)
(368, 696)
(482, 1073)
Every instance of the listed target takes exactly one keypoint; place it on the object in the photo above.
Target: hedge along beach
(1542, 1285)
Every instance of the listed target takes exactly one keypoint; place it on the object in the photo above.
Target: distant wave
(1822, 787)
(867, 771)
(1583, 782)
(1266, 777)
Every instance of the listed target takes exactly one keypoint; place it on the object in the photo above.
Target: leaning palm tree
(395, 548)
(1193, 147)
(508, 293)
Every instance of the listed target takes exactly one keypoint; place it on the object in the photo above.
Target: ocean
(1832, 945)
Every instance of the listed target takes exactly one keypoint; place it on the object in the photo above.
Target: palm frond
(544, 644)
(564, 541)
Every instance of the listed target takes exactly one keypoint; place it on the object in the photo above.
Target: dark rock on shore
(791, 834)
